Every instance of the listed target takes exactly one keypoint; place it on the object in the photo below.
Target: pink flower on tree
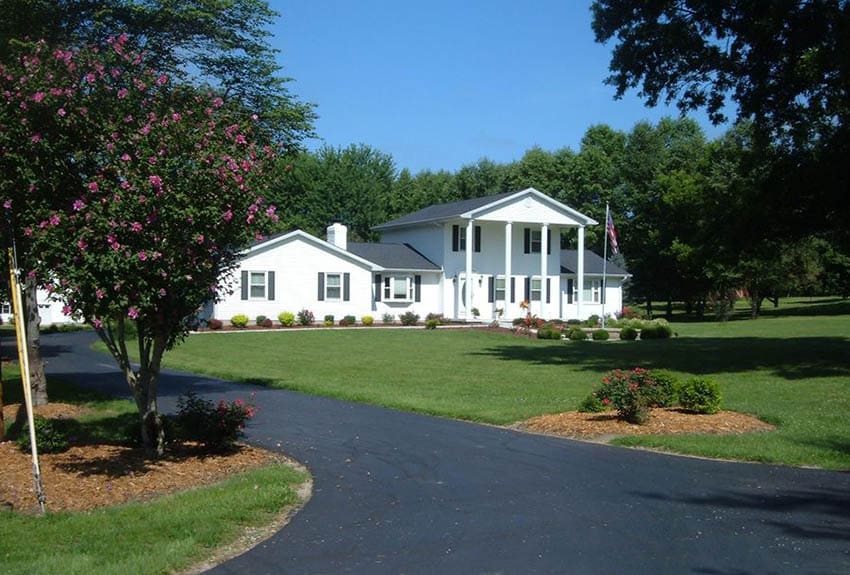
(133, 312)
(93, 186)
(155, 181)
(78, 205)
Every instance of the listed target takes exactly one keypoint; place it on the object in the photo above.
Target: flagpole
(604, 264)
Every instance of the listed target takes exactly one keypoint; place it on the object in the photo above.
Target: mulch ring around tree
(606, 426)
(90, 476)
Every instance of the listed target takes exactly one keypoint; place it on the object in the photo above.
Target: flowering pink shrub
(632, 393)
(216, 425)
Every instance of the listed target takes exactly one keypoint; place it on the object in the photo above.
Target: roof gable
(274, 241)
(482, 208)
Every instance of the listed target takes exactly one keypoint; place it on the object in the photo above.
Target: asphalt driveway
(400, 493)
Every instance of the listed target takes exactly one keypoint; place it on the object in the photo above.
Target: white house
(474, 258)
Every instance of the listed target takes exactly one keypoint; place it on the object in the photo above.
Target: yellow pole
(24, 362)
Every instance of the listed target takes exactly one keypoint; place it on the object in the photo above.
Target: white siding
(528, 209)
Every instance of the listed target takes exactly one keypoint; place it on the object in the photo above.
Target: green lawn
(789, 368)
(165, 535)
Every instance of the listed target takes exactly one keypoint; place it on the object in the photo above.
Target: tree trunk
(2, 421)
(144, 386)
(755, 303)
(669, 313)
(38, 382)
(649, 308)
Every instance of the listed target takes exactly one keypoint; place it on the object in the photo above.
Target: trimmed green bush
(260, 320)
(409, 318)
(286, 318)
(239, 320)
(700, 395)
(431, 323)
(628, 334)
(388, 319)
(658, 329)
(48, 436)
(367, 320)
(666, 392)
(350, 320)
(592, 321)
(329, 320)
(600, 335)
(592, 404)
(577, 334)
(266, 323)
(548, 333)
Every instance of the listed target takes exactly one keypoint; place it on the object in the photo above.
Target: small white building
(425, 263)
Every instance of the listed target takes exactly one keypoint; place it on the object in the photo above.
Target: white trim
(273, 242)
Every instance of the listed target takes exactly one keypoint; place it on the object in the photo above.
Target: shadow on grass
(788, 358)
(807, 514)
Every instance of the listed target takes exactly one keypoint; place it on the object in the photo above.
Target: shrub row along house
(467, 260)
(473, 259)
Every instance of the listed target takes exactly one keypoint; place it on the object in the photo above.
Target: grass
(789, 369)
(167, 534)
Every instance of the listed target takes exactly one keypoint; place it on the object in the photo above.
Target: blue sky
(442, 84)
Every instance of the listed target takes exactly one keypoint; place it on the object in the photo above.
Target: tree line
(694, 216)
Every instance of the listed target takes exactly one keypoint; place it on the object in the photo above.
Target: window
(459, 238)
(592, 291)
(333, 286)
(500, 289)
(536, 289)
(5, 308)
(398, 288)
(257, 285)
(535, 241)
(532, 241)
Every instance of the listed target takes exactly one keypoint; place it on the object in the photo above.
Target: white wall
(613, 301)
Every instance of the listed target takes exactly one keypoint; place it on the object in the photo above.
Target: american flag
(612, 234)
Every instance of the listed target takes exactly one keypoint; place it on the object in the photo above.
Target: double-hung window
(500, 289)
(257, 285)
(333, 286)
(536, 289)
(459, 238)
(592, 291)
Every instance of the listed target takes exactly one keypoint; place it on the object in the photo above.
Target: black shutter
(548, 290)
(526, 241)
(271, 285)
(455, 238)
(321, 286)
(527, 289)
(477, 238)
(244, 285)
(346, 286)
(491, 290)
(570, 290)
(548, 241)
(417, 287)
(379, 287)
(513, 289)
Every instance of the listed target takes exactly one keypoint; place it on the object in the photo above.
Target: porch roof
(592, 264)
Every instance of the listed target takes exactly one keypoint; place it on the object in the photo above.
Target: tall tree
(170, 194)
(782, 63)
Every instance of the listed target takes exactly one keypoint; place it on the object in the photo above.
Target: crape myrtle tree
(169, 191)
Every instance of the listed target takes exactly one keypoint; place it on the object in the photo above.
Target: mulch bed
(90, 476)
(661, 422)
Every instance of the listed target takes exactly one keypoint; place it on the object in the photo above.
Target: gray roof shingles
(393, 256)
(592, 264)
(443, 211)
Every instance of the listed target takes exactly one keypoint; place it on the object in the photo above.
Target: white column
(580, 272)
(508, 246)
(544, 268)
(470, 244)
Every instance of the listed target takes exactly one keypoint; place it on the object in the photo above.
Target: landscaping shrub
(431, 323)
(367, 320)
(409, 318)
(632, 393)
(388, 318)
(658, 329)
(629, 313)
(548, 333)
(266, 323)
(600, 335)
(286, 318)
(700, 396)
(217, 426)
(666, 391)
(628, 334)
(592, 321)
(350, 320)
(592, 404)
(329, 320)
(517, 321)
(577, 334)
(573, 322)
(48, 436)
(260, 319)
(437, 316)
(239, 320)
(305, 317)
(215, 324)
